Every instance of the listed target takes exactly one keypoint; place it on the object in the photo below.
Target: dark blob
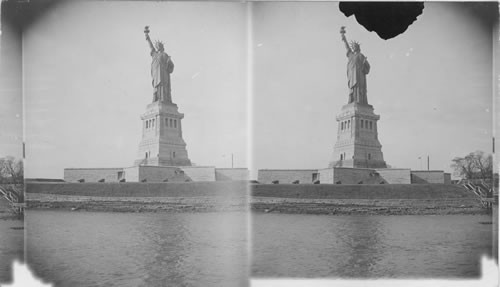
(387, 19)
(23, 13)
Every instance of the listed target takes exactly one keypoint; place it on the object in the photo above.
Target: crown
(157, 42)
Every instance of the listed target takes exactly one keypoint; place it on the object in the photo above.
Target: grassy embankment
(393, 199)
(139, 197)
(232, 196)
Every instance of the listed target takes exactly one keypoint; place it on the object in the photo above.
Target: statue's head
(355, 46)
(159, 46)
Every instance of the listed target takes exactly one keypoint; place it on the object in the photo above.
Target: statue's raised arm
(146, 32)
(344, 39)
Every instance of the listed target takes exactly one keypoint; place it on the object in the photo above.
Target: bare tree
(12, 183)
(475, 165)
(11, 170)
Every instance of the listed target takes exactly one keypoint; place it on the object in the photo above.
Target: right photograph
(373, 139)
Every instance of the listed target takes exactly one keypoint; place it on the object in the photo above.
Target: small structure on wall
(343, 175)
(144, 173)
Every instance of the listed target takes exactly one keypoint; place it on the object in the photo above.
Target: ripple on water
(11, 246)
(145, 249)
(294, 245)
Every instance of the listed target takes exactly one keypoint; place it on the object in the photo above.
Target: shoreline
(346, 211)
(366, 206)
(235, 196)
(135, 204)
(256, 205)
(386, 199)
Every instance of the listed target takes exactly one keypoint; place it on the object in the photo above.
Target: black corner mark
(387, 19)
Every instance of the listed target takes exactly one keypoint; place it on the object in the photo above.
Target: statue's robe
(161, 68)
(357, 68)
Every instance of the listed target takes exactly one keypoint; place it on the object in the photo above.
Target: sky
(87, 79)
(431, 85)
(86, 69)
(11, 108)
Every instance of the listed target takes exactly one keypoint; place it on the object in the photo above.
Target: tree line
(475, 165)
(11, 170)
(12, 183)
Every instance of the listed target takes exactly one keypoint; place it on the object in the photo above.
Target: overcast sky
(87, 65)
(11, 120)
(431, 86)
(87, 72)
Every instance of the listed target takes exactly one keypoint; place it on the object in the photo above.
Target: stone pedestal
(162, 143)
(357, 143)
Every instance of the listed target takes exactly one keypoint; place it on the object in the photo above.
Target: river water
(211, 249)
(295, 245)
(11, 246)
(138, 249)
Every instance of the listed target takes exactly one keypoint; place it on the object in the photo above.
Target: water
(306, 246)
(138, 249)
(11, 246)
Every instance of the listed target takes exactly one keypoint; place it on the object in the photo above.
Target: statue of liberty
(357, 69)
(161, 68)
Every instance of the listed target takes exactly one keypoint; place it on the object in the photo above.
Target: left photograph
(136, 143)
(11, 149)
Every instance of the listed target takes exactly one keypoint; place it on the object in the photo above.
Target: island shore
(388, 199)
(431, 199)
(139, 197)
(365, 206)
(135, 204)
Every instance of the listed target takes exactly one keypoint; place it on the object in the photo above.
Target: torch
(146, 31)
(342, 32)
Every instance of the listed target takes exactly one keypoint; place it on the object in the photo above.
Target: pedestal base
(357, 143)
(162, 143)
